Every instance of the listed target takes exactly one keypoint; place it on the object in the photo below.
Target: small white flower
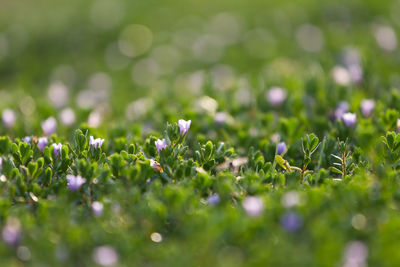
(67, 116)
(97, 208)
(341, 76)
(96, 143)
(253, 206)
(349, 119)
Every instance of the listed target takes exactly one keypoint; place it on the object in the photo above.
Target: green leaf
(208, 151)
(281, 161)
(335, 170)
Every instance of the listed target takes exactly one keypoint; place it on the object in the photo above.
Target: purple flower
(184, 126)
(291, 222)
(11, 232)
(276, 96)
(342, 108)
(97, 208)
(356, 72)
(96, 143)
(367, 106)
(253, 206)
(160, 144)
(27, 139)
(57, 149)
(42, 142)
(8, 117)
(75, 182)
(349, 119)
(281, 148)
(213, 199)
(1, 163)
(49, 126)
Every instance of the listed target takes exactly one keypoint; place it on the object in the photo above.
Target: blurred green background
(105, 54)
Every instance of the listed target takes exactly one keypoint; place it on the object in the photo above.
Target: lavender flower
(253, 206)
(27, 139)
(276, 96)
(11, 232)
(184, 126)
(160, 145)
(57, 149)
(49, 126)
(97, 208)
(8, 117)
(96, 143)
(342, 108)
(349, 119)
(356, 254)
(281, 148)
(221, 118)
(356, 73)
(367, 106)
(291, 222)
(105, 256)
(213, 199)
(42, 142)
(75, 182)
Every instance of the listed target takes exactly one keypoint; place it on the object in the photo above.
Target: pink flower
(160, 145)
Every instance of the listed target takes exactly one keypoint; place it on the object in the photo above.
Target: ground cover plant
(209, 133)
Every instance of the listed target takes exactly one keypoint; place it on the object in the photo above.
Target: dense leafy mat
(211, 133)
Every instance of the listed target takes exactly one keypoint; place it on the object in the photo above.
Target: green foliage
(218, 195)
